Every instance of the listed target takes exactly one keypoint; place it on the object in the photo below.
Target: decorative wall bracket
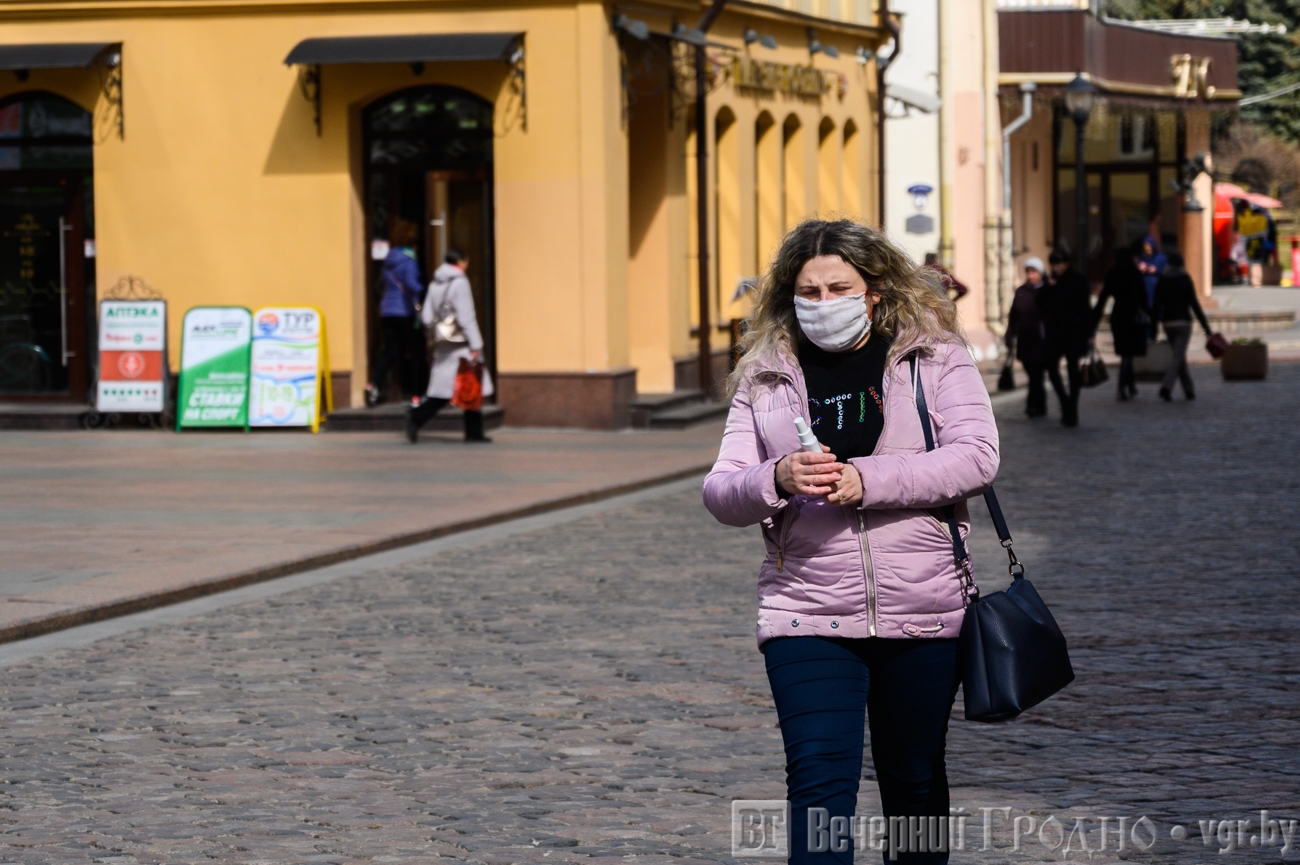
(309, 85)
(132, 287)
(109, 65)
(519, 81)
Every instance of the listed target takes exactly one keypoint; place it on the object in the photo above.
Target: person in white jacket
(449, 311)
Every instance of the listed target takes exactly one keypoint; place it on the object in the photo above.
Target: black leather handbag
(1011, 652)
(1007, 378)
(1092, 371)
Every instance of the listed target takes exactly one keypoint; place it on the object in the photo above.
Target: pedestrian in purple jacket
(860, 596)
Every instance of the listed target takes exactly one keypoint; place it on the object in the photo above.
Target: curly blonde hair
(914, 309)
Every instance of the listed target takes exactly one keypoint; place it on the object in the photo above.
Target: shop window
(46, 132)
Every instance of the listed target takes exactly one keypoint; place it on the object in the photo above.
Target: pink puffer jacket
(884, 568)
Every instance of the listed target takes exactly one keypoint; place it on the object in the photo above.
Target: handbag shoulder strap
(446, 293)
(959, 550)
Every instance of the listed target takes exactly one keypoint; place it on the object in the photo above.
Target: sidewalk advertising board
(290, 359)
(132, 356)
(213, 389)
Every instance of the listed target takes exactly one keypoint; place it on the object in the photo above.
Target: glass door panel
(1067, 219)
(1130, 207)
(35, 319)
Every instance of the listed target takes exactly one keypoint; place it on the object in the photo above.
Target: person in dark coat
(1130, 319)
(401, 332)
(1067, 321)
(1027, 335)
(1176, 302)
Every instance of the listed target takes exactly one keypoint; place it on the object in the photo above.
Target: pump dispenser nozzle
(807, 441)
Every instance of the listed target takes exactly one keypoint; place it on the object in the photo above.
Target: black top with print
(845, 394)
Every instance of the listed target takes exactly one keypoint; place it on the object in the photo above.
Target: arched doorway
(47, 303)
(428, 160)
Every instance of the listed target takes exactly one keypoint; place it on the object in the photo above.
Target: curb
(140, 603)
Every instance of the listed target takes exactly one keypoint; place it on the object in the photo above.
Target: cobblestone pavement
(594, 690)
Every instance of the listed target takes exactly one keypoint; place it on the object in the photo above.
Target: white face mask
(834, 325)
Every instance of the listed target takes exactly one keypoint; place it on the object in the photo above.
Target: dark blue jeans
(822, 688)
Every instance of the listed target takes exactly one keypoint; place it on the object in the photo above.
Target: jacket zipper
(780, 546)
(864, 540)
(869, 572)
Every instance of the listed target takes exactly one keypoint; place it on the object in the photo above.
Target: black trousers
(403, 344)
(1069, 398)
(1036, 403)
(431, 405)
(1127, 381)
(821, 687)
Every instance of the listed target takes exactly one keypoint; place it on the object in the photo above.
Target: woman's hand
(809, 474)
(849, 489)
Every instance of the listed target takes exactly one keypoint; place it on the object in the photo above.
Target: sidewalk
(98, 524)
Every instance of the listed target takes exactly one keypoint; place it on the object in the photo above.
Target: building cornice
(13, 10)
(1060, 79)
(17, 10)
(774, 13)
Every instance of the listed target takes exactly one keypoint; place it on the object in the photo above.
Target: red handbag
(467, 392)
(1217, 345)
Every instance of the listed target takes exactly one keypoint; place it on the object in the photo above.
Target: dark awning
(426, 48)
(52, 55)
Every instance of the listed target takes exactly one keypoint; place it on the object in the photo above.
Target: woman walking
(449, 311)
(1027, 332)
(1130, 319)
(860, 597)
(1175, 303)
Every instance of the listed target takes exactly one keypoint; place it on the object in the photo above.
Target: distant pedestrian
(1067, 319)
(952, 286)
(1152, 262)
(401, 334)
(1130, 318)
(1176, 302)
(449, 311)
(1027, 334)
(860, 595)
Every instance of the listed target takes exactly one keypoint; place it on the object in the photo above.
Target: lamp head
(816, 46)
(689, 34)
(632, 27)
(1080, 97)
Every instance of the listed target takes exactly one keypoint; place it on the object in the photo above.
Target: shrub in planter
(1244, 360)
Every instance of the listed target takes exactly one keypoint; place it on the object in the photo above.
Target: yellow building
(254, 152)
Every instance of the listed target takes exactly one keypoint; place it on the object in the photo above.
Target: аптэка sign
(132, 339)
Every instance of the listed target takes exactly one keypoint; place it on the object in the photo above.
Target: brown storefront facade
(1157, 93)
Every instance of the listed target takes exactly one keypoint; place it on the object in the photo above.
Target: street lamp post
(1080, 96)
(701, 189)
